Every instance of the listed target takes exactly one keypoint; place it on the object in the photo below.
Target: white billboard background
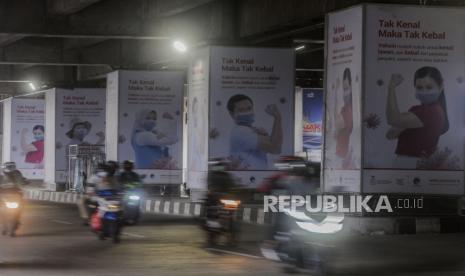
(342, 145)
(266, 76)
(25, 115)
(141, 93)
(197, 155)
(390, 50)
(74, 108)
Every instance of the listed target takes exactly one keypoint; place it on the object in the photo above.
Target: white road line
(234, 253)
(62, 221)
(133, 235)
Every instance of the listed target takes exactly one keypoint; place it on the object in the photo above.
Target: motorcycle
(107, 219)
(221, 219)
(11, 209)
(304, 244)
(131, 206)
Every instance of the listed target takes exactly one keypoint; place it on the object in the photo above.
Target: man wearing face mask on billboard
(249, 144)
(149, 143)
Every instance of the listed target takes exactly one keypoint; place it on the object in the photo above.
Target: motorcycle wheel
(12, 226)
(131, 216)
(212, 238)
(114, 232)
(232, 234)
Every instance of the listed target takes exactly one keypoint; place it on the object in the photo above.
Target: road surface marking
(234, 253)
(133, 235)
(62, 222)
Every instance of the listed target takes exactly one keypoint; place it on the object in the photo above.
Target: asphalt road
(52, 241)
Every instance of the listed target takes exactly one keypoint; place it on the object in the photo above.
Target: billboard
(197, 121)
(414, 118)
(79, 120)
(24, 126)
(312, 122)
(251, 109)
(412, 84)
(148, 112)
(342, 145)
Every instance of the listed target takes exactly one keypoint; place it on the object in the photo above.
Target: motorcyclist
(112, 177)
(12, 183)
(300, 178)
(13, 175)
(220, 183)
(128, 178)
(104, 178)
(220, 186)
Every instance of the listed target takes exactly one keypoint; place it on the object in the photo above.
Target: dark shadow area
(36, 266)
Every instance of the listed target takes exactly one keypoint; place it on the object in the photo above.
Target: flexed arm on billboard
(272, 143)
(25, 146)
(155, 137)
(399, 121)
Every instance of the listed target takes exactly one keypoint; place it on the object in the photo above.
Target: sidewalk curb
(256, 215)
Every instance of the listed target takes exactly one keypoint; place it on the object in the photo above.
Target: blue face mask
(245, 119)
(428, 98)
(80, 133)
(149, 125)
(39, 137)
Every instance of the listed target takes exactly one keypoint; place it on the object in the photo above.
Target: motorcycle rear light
(12, 205)
(228, 203)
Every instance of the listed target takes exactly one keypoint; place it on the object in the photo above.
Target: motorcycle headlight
(134, 197)
(12, 205)
(113, 207)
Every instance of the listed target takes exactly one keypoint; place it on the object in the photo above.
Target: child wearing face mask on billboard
(35, 150)
(418, 130)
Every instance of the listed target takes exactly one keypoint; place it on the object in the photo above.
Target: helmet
(9, 167)
(128, 164)
(112, 167)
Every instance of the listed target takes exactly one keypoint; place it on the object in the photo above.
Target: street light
(180, 46)
(32, 86)
(299, 48)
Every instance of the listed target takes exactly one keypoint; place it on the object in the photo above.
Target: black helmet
(112, 167)
(128, 164)
(8, 167)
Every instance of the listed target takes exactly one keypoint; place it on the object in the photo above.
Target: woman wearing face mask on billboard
(34, 151)
(418, 130)
(150, 144)
(344, 122)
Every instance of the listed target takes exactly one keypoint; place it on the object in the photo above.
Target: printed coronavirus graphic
(372, 121)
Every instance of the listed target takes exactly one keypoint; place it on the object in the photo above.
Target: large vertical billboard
(414, 116)
(197, 122)
(251, 109)
(79, 120)
(312, 122)
(26, 133)
(149, 123)
(342, 144)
